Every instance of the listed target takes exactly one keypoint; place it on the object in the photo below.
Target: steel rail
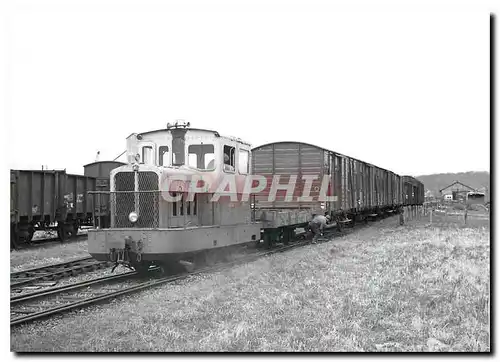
(47, 272)
(35, 269)
(136, 288)
(64, 288)
(129, 290)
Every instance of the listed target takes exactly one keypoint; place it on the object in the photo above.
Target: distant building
(475, 198)
(484, 190)
(457, 190)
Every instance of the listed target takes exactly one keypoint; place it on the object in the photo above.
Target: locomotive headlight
(133, 217)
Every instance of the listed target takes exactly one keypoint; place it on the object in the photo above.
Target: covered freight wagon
(353, 185)
(413, 191)
(355, 189)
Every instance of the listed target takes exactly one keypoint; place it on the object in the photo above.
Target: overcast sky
(407, 91)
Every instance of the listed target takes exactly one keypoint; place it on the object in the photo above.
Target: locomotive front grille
(148, 204)
(144, 200)
(125, 181)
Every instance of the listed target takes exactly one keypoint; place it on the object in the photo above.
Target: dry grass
(47, 254)
(381, 289)
(474, 220)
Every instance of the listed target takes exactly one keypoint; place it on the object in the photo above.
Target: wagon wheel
(285, 236)
(62, 233)
(31, 232)
(13, 239)
(74, 231)
(268, 241)
(339, 224)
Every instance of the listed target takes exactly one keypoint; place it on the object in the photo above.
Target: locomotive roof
(216, 134)
(187, 128)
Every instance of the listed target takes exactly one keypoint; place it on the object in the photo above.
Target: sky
(402, 89)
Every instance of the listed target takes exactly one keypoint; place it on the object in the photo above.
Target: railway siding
(352, 294)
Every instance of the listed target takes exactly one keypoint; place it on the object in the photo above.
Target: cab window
(147, 155)
(229, 158)
(163, 156)
(201, 156)
(243, 161)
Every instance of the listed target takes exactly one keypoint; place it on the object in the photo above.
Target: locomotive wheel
(206, 258)
(141, 268)
(179, 267)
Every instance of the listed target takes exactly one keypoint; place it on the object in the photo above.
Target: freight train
(186, 191)
(55, 200)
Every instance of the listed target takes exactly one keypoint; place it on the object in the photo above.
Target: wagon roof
(93, 163)
(321, 148)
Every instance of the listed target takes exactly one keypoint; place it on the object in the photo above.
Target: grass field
(382, 288)
(47, 254)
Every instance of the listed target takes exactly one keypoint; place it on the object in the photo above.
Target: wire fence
(446, 218)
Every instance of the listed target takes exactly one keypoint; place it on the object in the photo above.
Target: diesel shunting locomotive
(184, 191)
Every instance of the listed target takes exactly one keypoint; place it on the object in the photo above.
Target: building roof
(467, 188)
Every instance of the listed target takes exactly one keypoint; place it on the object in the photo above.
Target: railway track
(47, 242)
(33, 306)
(38, 277)
(29, 307)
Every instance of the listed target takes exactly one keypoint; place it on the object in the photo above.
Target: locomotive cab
(162, 205)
